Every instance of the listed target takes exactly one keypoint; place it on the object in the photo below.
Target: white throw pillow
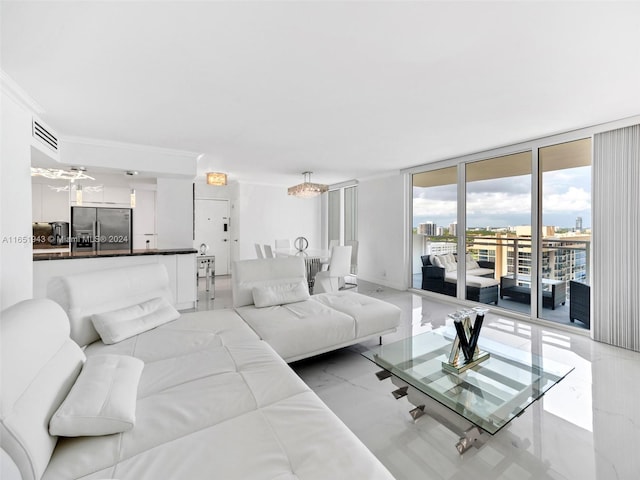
(126, 322)
(103, 399)
(471, 263)
(280, 293)
(446, 261)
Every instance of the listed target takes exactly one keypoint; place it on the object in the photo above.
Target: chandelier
(75, 173)
(307, 189)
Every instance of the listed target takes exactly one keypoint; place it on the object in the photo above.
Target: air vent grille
(44, 136)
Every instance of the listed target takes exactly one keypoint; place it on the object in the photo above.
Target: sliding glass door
(435, 225)
(565, 236)
(498, 233)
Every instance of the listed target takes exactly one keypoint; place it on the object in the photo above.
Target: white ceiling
(266, 90)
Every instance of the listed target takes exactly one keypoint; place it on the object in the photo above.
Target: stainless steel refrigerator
(97, 229)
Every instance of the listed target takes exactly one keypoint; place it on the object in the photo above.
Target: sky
(503, 202)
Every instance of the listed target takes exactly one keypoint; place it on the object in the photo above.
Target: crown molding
(18, 94)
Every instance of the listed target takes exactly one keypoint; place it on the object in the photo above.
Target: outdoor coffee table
(484, 398)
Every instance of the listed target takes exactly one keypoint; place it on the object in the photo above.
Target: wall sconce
(78, 194)
(132, 198)
(216, 178)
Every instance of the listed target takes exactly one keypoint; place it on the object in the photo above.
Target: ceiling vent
(44, 135)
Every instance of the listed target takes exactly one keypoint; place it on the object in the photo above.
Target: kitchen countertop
(110, 253)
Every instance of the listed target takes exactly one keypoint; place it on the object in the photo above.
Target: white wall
(16, 276)
(174, 210)
(266, 213)
(381, 231)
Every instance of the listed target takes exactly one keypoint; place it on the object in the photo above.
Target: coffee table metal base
(470, 435)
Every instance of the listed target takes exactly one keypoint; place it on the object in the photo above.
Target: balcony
(563, 258)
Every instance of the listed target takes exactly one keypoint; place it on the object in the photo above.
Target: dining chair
(353, 270)
(259, 251)
(283, 244)
(268, 251)
(324, 264)
(332, 280)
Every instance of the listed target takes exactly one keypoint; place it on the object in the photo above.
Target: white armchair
(332, 280)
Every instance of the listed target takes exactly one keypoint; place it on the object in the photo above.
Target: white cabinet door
(118, 196)
(182, 278)
(144, 219)
(55, 205)
(90, 198)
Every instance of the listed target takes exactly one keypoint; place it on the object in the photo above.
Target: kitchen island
(180, 263)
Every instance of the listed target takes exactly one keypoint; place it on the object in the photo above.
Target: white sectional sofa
(297, 325)
(212, 401)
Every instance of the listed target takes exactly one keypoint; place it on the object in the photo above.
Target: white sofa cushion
(235, 413)
(299, 329)
(447, 261)
(123, 323)
(103, 399)
(473, 281)
(40, 364)
(248, 274)
(372, 316)
(85, 294)
(480, 272)
(190, 333)
(471, 263)
(280, 293)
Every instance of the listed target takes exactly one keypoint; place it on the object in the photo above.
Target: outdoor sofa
(440, 275)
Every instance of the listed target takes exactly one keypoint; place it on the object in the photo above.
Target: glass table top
(489, 395)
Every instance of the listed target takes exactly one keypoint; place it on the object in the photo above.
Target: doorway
(212, 229)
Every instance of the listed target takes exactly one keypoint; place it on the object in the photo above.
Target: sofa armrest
(433, 272)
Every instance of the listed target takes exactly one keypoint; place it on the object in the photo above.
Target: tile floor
(586, 427)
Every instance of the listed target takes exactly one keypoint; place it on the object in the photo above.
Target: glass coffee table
(484, 398)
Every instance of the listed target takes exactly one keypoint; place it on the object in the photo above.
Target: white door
(212, 228)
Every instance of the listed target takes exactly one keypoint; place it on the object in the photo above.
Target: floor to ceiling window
(334, 217)
(434, 225)
(498, 233)
(565, 236)
(343, 215)
(527, 230)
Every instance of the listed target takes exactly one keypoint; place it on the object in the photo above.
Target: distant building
(579, 224)
(453, 229)
(428, 228)
(440, 248)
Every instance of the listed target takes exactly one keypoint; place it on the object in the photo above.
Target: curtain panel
(616, 238)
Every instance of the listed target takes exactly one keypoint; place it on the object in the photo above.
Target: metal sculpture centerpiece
(466, 341)
(301, 244)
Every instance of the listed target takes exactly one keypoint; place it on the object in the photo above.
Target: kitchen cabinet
(49, 205)
(119, 196)
(144, 219)
(181, 269)
(55, 205)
